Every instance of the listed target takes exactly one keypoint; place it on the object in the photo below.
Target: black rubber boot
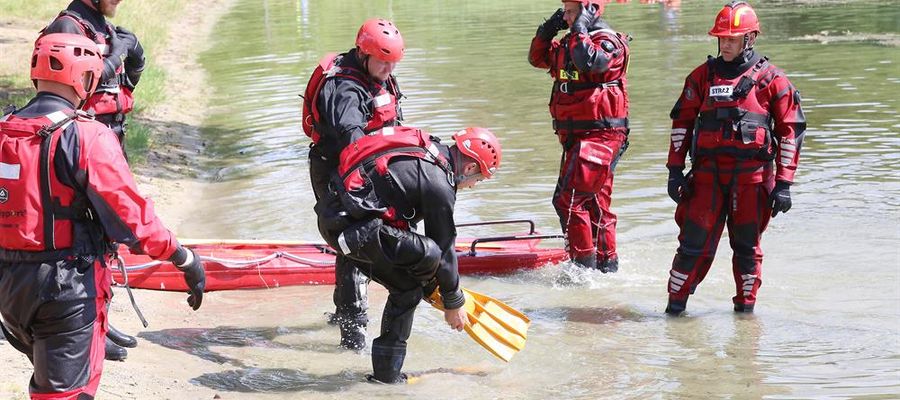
(121, 338)
(610, 265)
(676, 307)
(387, 360)
(589, 261)
(115, 352)
(353, 336)
(743, 308)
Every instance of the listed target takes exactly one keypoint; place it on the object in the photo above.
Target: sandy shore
(170, 176)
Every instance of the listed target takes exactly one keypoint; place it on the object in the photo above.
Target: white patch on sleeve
(387, 131)
(678, 135)
(342, 243)
(10, 171)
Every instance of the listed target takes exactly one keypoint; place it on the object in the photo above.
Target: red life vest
(732, 122)
(384, 102)
(111, 97)
(38, 212)
(364, 167)
(583, 102)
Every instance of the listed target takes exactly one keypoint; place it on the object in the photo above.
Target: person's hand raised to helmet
(553, 25)
(585, 19)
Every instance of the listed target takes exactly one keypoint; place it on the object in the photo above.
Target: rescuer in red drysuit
(66, 193)
(736, 114)
(589, 106)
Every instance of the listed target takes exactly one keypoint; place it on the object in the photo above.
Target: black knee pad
(427, 266)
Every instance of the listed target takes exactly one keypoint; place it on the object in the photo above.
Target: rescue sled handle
(475, 242)
(500, 222)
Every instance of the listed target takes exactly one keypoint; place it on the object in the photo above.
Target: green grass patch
(14, 93)
(137, 141)
(43, 10)
(150, 20)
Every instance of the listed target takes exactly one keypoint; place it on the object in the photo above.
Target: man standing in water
(348, 96)
(123, 64)
(589, 106)
(392, 180)
(736, 114)
(66, 192)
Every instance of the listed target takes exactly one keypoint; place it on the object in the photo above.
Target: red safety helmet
(67, 58)
(481, 145)
(599, 5)
(379, 38)
(735, 19)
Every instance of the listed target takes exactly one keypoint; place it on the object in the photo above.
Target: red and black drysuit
(348, 105)
(589, 106)
(735, 118)
(389, 187)
(65, 193)
(123, 63)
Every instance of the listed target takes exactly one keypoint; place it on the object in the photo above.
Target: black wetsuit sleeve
(134, 64)
(343, 106)
(438, 199)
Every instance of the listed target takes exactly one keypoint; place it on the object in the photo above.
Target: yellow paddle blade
(499, 328)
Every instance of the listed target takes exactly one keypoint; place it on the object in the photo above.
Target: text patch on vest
(565, 75)
(721, 91)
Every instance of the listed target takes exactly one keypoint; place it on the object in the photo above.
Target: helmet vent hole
(55, 64)
(78, 52)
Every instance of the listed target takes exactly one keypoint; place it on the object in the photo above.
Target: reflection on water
(827, 322)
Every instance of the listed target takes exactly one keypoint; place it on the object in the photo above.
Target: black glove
(127, 39)
(118, 47)
(780, 198)
(187, 261)
(677, 184)
(134, 57)
(585, 19)
(553, 25)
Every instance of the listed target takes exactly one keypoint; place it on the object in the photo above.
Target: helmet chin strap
(459, 166)
(364, 60)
